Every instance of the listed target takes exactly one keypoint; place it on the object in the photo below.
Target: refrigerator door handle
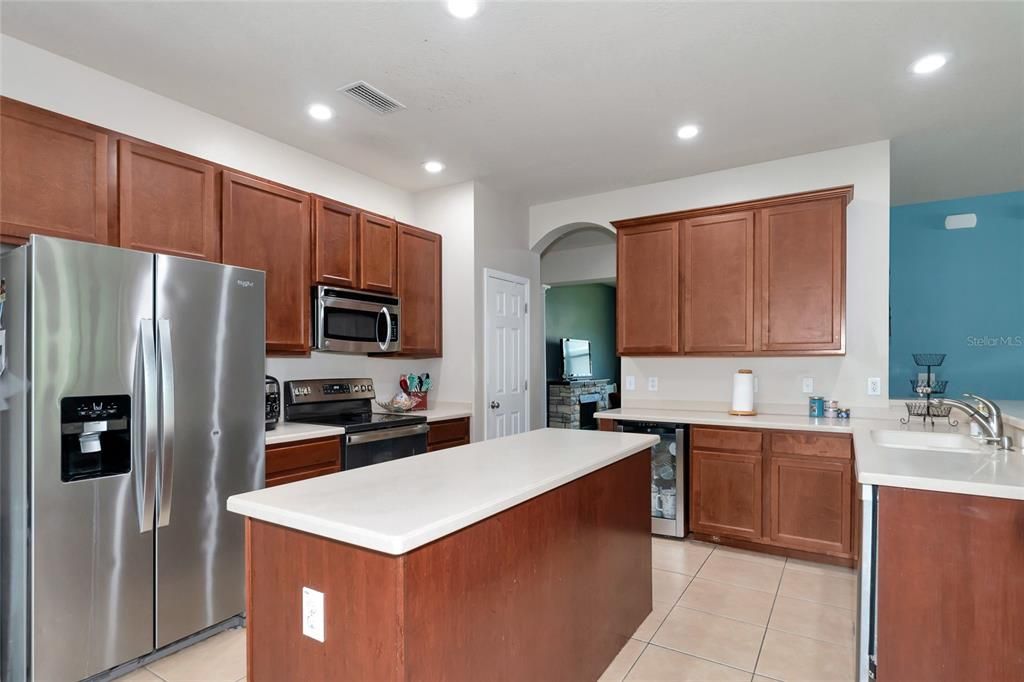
(144, 457)
(166, 421)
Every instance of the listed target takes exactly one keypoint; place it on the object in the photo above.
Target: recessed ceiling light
(928, 64)
(433, 166)
(320, 112)
(463, 9)
(687, 132)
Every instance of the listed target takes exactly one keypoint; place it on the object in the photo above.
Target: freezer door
(210, 337)
(91, 545)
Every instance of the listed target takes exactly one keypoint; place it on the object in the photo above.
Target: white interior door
(506, 354)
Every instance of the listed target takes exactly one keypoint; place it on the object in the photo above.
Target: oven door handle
(386, 434)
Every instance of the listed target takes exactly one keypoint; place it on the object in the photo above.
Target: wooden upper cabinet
(419, 289)
(54, 175)
(335, 229)
(718, 283)
(647, 291)
(167, 202)
(801, 261)
(378, 238)
(267, 227)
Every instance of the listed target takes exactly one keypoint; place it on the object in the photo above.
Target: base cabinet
(449, 433)
(290, 462)
(726, 494)
(811, 504)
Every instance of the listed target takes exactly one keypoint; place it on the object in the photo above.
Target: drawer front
(302, 475)
(303, 455)
(454, 431)
(812, 444)
(732, 440)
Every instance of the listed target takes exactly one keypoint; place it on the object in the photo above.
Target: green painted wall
(583, 311)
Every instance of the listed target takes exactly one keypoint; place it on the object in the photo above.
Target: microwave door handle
(166, 422)
(387, 324)
(145, 439)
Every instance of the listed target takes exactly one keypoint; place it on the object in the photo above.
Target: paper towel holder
(742, 413)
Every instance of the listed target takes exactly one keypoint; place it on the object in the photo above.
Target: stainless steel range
(370, 438)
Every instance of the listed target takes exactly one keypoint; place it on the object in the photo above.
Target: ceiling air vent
(371, 97)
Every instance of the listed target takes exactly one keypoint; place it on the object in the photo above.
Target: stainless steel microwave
(347, 321)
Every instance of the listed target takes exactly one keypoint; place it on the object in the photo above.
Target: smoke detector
(366, 94)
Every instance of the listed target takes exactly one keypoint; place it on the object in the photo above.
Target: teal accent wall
(959, 292)
(584, 311)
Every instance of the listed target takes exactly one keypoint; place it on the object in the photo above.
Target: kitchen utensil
(403, 383)
(427, 383)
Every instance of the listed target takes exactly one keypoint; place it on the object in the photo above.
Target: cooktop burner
(339, 402)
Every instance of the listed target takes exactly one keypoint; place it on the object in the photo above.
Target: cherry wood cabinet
(419, 289)
(448, 433)
(718, 283)
(54, 176)
(726, 494)
(167, 202)
(647, 289)
(801, 259)
(267, 227)
(335, 230)
(762, 277)
(378, 253)
(811, 504)
(297, 461)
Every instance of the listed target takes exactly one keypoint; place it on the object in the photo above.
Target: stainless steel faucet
(990, 420)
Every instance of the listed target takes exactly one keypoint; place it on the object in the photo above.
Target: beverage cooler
(669, 491)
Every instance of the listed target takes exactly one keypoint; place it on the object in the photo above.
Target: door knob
(495, 404)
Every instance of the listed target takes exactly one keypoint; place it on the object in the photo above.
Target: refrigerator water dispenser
(95, 437)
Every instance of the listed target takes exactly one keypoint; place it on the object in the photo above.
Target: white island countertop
(397, 506)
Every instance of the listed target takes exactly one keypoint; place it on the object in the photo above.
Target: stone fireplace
(572, 404)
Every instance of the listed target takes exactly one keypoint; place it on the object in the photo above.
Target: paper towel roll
(743, 393)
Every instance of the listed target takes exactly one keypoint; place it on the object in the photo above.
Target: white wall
(501, 244)
(867, 343)
(583, 265)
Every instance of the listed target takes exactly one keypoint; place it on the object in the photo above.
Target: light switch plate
(313, 614)
(652, 383)
(630, 383)
(874, 386)
(808, 385)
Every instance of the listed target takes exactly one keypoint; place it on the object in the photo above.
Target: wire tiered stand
(925, 408)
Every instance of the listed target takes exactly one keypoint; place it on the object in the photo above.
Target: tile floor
(727, 614)
(719, 614)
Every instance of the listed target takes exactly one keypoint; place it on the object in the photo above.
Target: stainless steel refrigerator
(134, 408)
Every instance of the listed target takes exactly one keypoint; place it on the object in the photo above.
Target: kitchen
(145, 212)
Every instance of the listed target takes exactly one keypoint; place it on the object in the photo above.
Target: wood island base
(550, 589)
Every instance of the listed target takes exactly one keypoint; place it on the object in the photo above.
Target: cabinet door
(167, 202)
(811, 504)
(377, 253)
(726, 494)
(718, 283)
(647, 291)
(448, 434)
(419, 289)
(335, 226)
(53, 176)
(267, 227)
(801, 260)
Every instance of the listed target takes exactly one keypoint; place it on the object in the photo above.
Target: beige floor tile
(724, 568)
(748, 555)
(623, 661)
(817, 621)
(762, 678)
(140, 675)
(819, 587)
(821, 569)
(741, 603)
(662, 665)
(798, 659)
(653, 621)
(680, 556)
(219, 659)
(715, 638)
(667, 586)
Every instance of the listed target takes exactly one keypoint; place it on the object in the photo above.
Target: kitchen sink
(922, 440)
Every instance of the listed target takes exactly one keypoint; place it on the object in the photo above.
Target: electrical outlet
(652, 383)
(630, 383)
(313, 614)
(808, 385)
(874, 386)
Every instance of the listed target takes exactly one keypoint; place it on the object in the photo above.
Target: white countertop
(441, 411)
(988, 473)
(397, 506)
(287, 432)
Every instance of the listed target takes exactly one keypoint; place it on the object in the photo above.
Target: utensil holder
(419, 400)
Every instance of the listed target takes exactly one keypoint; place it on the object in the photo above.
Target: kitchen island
(526, 557)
